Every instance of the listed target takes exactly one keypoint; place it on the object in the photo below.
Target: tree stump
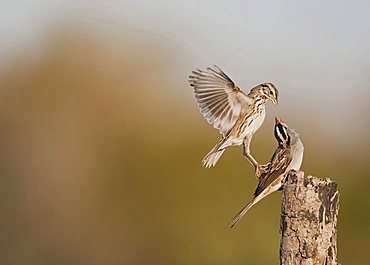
(308, 222)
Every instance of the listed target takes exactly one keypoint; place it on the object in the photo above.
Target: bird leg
(248, 156)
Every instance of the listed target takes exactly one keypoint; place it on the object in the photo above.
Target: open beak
(278, 121)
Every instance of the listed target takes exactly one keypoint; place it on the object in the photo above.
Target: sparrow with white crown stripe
(235, 114)
(287, 156)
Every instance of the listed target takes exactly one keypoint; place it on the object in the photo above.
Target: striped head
(266, 91)
(283, 134)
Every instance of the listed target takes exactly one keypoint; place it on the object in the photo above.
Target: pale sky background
(316, 52)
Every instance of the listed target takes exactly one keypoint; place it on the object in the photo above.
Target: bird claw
(262, 169)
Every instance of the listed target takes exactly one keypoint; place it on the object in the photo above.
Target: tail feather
(239, 216)
(213, 156)
(256, 198)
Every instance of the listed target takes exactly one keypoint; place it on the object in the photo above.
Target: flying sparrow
(235, 114)
(287, 156)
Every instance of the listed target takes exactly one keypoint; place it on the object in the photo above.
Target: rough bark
(308, 222)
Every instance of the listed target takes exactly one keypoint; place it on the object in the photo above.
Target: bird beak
(277, 121)
(275, 101)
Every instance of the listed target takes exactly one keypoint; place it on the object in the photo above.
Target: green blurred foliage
(101, 143)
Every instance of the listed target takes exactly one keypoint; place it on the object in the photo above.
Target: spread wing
(279, 164)
(219, 100)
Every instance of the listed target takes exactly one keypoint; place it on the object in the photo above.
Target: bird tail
(213, 156)
(256, 198)
(243, 211)
(246, 208)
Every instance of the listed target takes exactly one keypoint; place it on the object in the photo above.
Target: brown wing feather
(219, 100)
(279, 163)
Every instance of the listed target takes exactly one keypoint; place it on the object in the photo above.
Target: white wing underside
(219, 100)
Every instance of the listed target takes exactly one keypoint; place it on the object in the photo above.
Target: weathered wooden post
(308, 222)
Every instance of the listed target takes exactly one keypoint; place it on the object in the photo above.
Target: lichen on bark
(308, 223)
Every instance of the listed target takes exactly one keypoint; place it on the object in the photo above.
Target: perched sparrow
(288, 155)
(236, 115)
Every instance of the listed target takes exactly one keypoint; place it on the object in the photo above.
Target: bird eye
(271, 93)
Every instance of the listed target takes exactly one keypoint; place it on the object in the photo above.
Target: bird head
(284, 134)
(270, 92)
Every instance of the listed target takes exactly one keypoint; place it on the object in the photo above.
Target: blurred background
(101, 140)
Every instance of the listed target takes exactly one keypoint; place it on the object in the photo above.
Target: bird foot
(261, 169)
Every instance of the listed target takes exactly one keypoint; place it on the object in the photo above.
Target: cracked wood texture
(308, 225)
